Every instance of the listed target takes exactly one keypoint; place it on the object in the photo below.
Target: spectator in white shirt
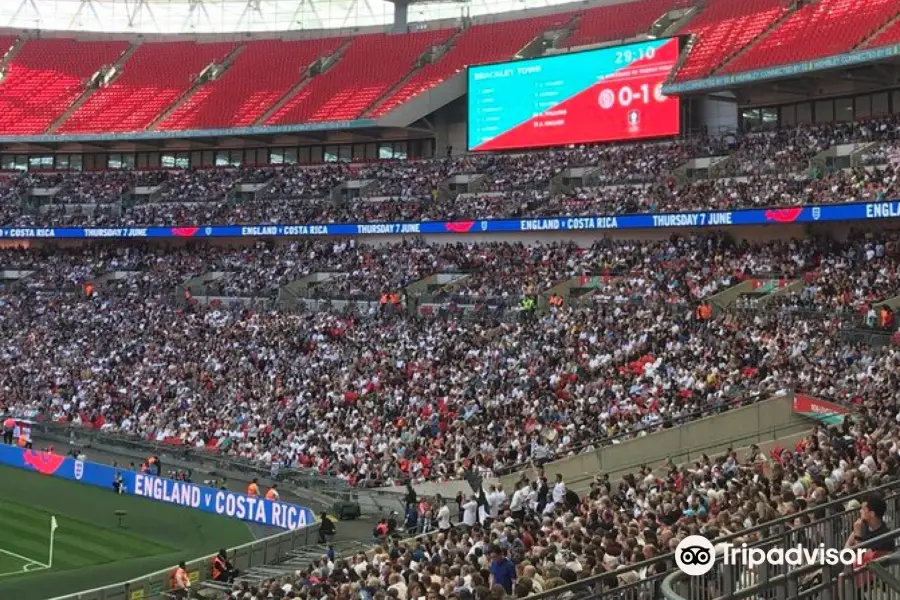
(470, 512)
(517, 504)
(443, 517)
(559, 490)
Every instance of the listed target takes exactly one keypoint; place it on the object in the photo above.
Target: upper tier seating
(369, 67)
(151, 80)
(263, 72)
(722, 29)
(6, 44)
(477, 45)
(617, 21)
(45, 77)
(824, 28)
(889, 36)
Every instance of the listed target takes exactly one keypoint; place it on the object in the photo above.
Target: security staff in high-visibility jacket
(181, 581)
(272, 494)
(222, 569)
(253, 488)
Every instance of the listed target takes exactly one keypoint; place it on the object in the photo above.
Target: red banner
(821, 410)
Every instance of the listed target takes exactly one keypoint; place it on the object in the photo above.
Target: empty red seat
(369, 67)
(889, 36)
(45, 77)
(722, 29)
(6, 44)
(823, 28)
(151, 80)
(263, 72)
(618, 21)
(477, 45)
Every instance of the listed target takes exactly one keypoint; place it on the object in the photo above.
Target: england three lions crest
(79, 469)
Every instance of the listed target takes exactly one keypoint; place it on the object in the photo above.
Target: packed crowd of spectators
(620, 534)
(770, 168)
(377, 396)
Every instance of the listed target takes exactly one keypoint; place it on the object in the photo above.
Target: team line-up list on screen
(598, 95)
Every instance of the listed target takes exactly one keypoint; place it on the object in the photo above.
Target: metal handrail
(258, 552)
(835, 581)
(589, 586)
(307, 477)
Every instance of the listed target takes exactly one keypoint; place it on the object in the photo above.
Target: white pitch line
(22, 558)
(25, 569)
(34, 564)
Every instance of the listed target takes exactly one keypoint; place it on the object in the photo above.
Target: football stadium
(449, 299)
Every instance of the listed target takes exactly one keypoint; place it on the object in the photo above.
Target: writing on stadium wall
(197, 497)
(857, 211)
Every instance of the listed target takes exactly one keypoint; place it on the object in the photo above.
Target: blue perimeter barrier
(858, 211)
(221, 502)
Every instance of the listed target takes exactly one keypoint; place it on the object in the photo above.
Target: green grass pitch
(90, 549)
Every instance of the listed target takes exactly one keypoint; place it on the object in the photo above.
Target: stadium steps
(199, 83)
(672, 22)
(685, 53)
(11, 52)
(765, 33)
(328, 62)
(428, 57)
(570, 28)
(91, 90)
(766, 288)
(876, 33)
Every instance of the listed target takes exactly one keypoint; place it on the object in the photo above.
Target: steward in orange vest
(272, 494)
(222, 569)
(181, 581)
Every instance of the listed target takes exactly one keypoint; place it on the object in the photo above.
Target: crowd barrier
(829, 524)
(307, 478)
(876, 580)
(272, 549)
(217, 501)
(856, 211)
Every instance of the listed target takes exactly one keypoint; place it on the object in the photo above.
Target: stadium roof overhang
(194, 17)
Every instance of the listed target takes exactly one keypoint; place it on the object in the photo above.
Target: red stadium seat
(890, 35)
(722, 29)
(370, 66)
(151, 80)
(618, 21)
(45, 77)
(839, 26)
(263, 72)
(477, 45)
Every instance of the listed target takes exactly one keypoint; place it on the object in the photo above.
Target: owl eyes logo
(695, 555)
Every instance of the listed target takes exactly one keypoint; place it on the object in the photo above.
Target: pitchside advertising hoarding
(221, 502)
(857, 211)
(602, 95)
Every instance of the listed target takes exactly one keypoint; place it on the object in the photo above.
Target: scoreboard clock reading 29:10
(601, 95)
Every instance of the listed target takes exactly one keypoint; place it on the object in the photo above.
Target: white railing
(264, 551)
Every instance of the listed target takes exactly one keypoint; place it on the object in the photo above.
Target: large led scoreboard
(602, 95)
